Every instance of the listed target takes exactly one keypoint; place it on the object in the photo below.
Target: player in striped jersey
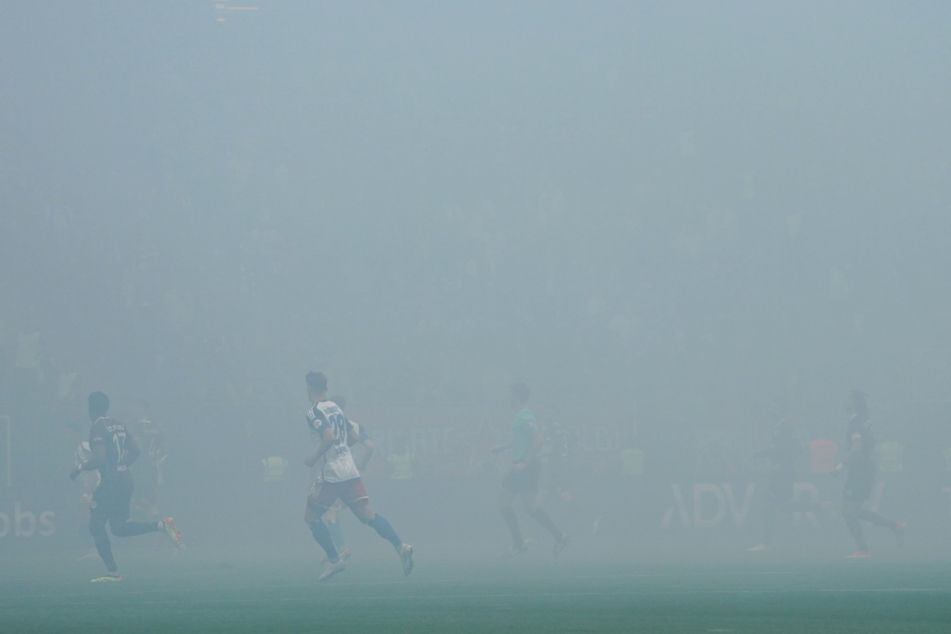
(360, 436)
(338, 478)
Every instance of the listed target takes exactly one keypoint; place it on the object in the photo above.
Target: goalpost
(8, 450)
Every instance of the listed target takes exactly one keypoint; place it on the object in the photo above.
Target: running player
(360, 436)
(152, 476)
(782, 453)
(339, 478)
(88, 479)
(861, 476)
(522, 480)
(114, 448)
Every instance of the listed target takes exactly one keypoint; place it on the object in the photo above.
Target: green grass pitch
(48, 592)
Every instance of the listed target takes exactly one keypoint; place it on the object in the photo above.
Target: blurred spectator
(890, 456)
(401, 459)
(275, 468)
(632, 461)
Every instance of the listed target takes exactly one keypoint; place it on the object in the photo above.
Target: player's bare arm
(370, 447)
(327, 439)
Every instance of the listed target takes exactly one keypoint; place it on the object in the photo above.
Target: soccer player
(151, 471)
(113, 449)
(861, 476)
(359, 436)
(522, 480)
(88, 479)
(782, 453)
(339, 478)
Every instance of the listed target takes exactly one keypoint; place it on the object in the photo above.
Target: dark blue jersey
(115, 438)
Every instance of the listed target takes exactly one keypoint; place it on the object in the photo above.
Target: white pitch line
(439, 582)
(511, 596)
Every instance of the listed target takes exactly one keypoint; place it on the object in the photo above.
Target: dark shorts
(113, 498)
(323, 494)
(858, 490)
(524, 482)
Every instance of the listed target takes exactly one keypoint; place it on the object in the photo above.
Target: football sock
(322, 536)
(103, 546)
(512, 522)
(875, 518)
(385, 530)
(856, 529)
(540, 516)
(131, 529)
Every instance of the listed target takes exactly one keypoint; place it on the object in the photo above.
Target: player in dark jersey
(88, 479)
(522, 480)
(784, 449)
(338, 478)
(114, 449)
(860, 464)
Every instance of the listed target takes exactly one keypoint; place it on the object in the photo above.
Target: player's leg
(377, 522)
(331, 519)
(129, 528)
(321, 533)
(872, 517)
(354, 495)
(537, 513)
(103, 502)
(528, 489)
(850, 512)
(321, 497)
(97, 526)
(336, 535)
(898, 528)
(506, 498)
(121, 526)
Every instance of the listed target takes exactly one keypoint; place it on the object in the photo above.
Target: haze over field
(665, 213)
